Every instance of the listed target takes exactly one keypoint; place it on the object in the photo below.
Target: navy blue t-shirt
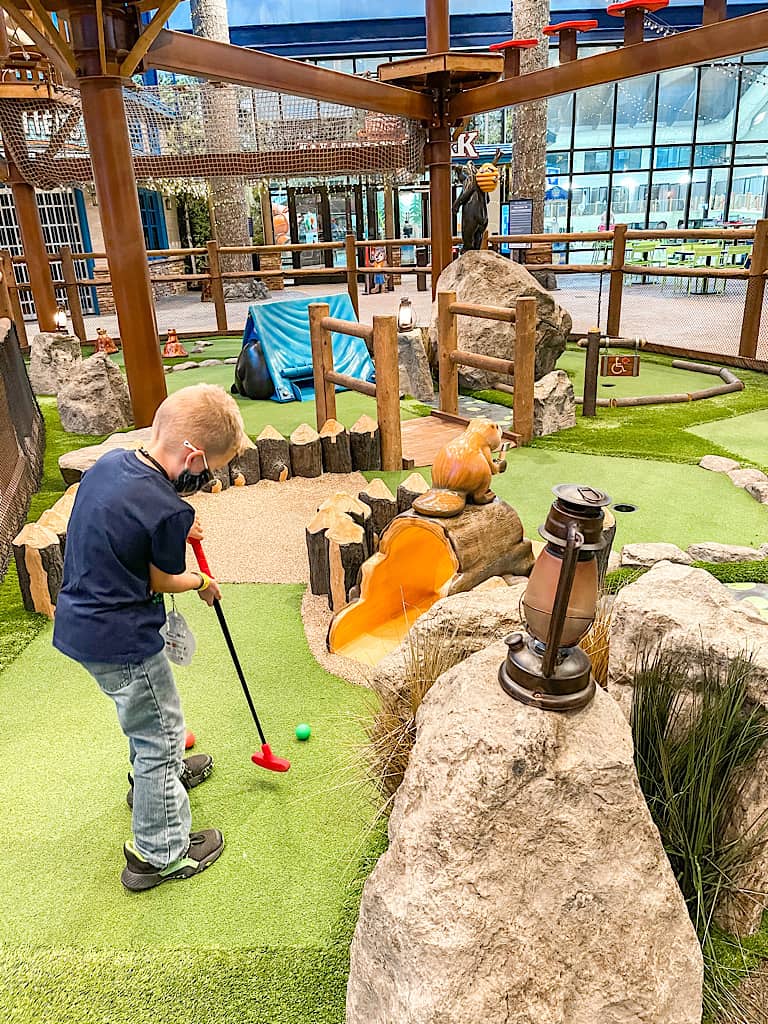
(126, 515)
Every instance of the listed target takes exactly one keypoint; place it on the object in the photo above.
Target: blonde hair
(203, 414)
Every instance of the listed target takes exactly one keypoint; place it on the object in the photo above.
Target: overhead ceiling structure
(98, 44)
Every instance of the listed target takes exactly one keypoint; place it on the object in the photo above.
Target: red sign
(619, 366)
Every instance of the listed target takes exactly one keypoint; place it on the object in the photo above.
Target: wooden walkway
(424, 437)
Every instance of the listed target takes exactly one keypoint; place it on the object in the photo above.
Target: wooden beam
(223, 62)
(102, 41)
(58, 40)
(147, 37)
(40, 39)
(720, 39)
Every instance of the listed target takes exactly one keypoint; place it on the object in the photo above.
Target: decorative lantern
(487, 177)
(60, 319)
(104, 343)
(548, 670)
(405, 320)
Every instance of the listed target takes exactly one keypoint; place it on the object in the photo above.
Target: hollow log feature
(274, 455)
(337, 453)
(40, 567)
(409, 490)
(365, 445)
(57, 521)
(317, 549)
(247, 465)
(346, 554)
(306, 452)
(383, 504)
(360, 513)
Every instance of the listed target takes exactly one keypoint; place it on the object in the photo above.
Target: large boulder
(96, 399)
(554, 405)
(489, 279)
(73, 464)
(53, 359)
(415, 378)
(524, 880)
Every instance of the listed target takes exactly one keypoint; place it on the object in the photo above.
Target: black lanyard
(155, 463)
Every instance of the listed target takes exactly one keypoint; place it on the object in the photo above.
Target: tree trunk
(230, 204)
(529, 154)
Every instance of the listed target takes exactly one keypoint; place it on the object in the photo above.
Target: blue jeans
(150, 715)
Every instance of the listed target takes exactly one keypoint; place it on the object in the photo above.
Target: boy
(126, 547)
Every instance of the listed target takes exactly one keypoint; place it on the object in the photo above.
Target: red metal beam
(223, 62)
(710, 42)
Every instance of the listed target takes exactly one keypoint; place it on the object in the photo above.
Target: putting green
(294, 841)
(746, 436)
(676, 503)
(221, 347)
(654, 379)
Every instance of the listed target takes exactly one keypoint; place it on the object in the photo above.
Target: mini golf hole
(608, 385)
(625, 507)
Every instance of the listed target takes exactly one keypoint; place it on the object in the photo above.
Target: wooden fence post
(589, 402)
(322, 361)
(6, 306)
(753, 303)
(617, 280)
(217, 285)
(447, 342)
(386, 361)
(525, 367)
(13, 292)
(73, 293)
(351, 251)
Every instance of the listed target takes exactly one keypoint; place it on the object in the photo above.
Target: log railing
(521, 368)
(382, 338)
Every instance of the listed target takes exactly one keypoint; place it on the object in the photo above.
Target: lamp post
(548, 670)
(405, 319)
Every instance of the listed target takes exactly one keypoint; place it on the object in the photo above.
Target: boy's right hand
(211, 593)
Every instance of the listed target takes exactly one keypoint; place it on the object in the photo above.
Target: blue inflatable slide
(282, 329)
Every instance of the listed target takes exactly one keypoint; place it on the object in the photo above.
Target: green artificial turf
(221, 347)
(746, 436)
(270, 910)
(655, 378)
(675, 503)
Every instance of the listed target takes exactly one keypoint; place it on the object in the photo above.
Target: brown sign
(620, 366)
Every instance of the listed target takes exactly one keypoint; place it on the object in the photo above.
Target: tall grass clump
(696, 738)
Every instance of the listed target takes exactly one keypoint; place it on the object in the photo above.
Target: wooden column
(634, 26)
(265, 200)
(35, 253)
(6, 263)
(568, 46)
(6, 306)
(73, 293)
(591, 365)
(440, 199)
(525, 368)
(112, 162)
(388, 391)
(322, 361)
(714, 10)
(447, 342)
(438, 26)
(351, 254)
(389, 230)
(217, 285)
(617, 280)
(753, 304)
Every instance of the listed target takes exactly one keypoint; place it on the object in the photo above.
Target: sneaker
(196, 769)
(204, 848)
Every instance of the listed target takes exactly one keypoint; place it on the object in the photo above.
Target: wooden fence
(382, 338)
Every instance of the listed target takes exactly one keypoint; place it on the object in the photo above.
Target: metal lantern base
(569, 689)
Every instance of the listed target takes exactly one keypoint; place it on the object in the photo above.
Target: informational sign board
(619, 366)
(516, 219)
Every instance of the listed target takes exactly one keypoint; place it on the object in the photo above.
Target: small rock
(709, 551)
(96, 399)
(492, 583)
(54, 358)
(759, 491)
(211, 362)
(642, 556)
(204, 344)
(764, 550)
(191, 365)
(167, 369)
(614, 561)
(198, 348)
(718, 464)
(742, 477)
(554, 406)
(231, 360)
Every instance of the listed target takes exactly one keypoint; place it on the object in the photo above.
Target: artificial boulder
(73, 464)
(489, 279)
(96, 399)
(53, 359)
(415, 378)
(554, 405)
(524, 879)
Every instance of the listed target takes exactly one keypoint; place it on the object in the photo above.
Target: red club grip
(202, 561)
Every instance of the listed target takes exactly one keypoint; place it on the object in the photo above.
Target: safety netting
(191, 129)
(22, 442)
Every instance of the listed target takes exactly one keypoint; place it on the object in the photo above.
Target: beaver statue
(252, 379)
(462, 471)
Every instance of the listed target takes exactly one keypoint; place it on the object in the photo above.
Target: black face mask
(187, 482)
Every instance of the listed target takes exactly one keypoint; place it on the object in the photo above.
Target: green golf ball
(303, 731)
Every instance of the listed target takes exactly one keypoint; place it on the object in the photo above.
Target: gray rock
(231, 360)
(524, 879)
(204, 344)
(73, 464)
(211, 362)
(54, 358)
(712, 552)
(242, 291)
(764, 550)
(759, 491)
(96, 398)
(639, 556)
(745, 477)
(415, 378)
(190, 365)
(554, 406)
(487, 278)
(718, 464)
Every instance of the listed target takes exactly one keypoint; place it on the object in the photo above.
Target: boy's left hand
(196, 533)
